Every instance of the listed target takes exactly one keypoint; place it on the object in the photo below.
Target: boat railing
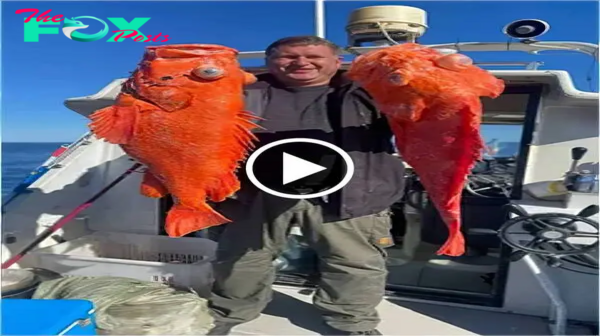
(527, 65)
(83, 140)
(52, 162)
(531, 47)
(535, 65)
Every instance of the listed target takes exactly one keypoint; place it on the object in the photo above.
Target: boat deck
(291, 313)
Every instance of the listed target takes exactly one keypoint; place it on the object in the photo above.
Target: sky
(38, 76)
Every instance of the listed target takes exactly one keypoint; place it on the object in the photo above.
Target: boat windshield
(502, 141)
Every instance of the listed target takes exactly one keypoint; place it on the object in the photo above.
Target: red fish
(433, 104)
(181, 114)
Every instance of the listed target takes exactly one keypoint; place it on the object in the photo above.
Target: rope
(131, 307)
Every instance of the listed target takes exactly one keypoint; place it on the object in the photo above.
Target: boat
(530, 210)
(51, 162)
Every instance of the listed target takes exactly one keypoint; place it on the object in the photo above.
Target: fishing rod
(60, 223)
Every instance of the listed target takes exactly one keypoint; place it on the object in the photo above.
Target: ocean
(19, 159)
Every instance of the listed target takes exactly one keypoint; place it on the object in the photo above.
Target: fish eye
(454, 62)
(208, 72)
(397, 79)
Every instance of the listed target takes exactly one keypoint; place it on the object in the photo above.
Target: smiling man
(303, 65)
(304, 94)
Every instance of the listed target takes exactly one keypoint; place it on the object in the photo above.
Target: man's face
(304, 65)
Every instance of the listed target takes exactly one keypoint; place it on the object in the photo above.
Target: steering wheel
(490, 178)
(555, 237)
(487, 187)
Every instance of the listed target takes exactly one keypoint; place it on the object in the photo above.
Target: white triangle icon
(295, 168)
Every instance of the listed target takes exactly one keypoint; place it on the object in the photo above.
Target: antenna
(320, 18)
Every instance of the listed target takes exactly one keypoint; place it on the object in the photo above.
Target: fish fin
(182, 220)
(152, 187)
(245, 138)
(245, 124)
(168, 99)
(224, 187)
(455, 244)
(115, 124)
(249, 78)
(247, 121)
(249, 115)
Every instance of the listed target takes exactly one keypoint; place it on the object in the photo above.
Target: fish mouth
(129, 88)
(191, 47)
(189, 51)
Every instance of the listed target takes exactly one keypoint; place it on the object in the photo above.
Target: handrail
(533, 65)
(37, 173)
(529, 47)
(70, 149)
(528, 65)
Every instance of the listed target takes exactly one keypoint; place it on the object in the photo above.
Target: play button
(299, 168)
(294, 168)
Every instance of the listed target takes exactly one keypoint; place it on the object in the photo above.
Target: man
(305, 95)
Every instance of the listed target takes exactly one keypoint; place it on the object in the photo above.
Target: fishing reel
(554, 237)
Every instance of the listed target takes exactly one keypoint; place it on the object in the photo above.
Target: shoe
(221, 328)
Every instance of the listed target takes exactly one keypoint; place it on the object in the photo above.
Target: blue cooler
(47, 317)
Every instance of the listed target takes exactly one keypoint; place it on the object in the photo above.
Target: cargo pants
(351, 255)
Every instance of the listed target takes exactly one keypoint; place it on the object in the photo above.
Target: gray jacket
(363, 132)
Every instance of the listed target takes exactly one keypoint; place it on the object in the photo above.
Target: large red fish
(433, 104)
(181, 114)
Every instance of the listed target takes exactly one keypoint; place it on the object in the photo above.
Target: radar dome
(378, 24)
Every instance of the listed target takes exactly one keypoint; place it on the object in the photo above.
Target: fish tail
(182, 220)
(455, 244)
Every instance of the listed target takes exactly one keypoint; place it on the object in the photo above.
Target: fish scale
(168, 118)
(432, 102)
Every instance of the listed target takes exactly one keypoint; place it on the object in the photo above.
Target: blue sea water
(19, 159)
